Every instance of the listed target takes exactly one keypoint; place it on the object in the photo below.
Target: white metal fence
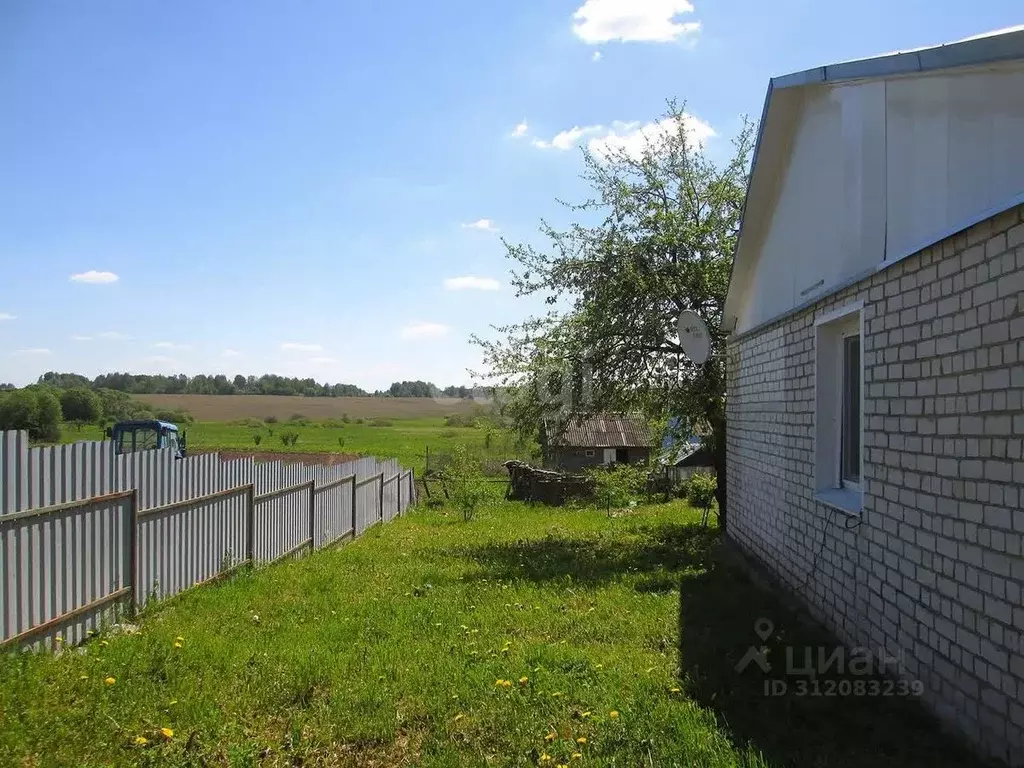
(83, 530)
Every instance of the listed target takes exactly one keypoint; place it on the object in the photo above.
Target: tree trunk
(718, 460)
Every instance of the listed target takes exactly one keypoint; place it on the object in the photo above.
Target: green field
(527, 637)
(404, 439)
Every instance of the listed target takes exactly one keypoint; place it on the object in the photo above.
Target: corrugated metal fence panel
(62, 560)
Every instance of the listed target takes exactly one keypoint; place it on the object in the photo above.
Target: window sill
(842, 499)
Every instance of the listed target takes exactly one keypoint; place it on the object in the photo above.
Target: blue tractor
(147, 435)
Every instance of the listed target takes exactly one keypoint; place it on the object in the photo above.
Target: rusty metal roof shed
(602, 431)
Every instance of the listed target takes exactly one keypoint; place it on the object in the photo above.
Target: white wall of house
(879, 169)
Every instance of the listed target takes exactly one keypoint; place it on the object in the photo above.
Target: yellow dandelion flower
(524, 680)
(545, 758)
(561, 765)
(614, 714)
(141, 741)
(556, 694)
(581, 740)
(180, 639)
(674, 690)
(167, 733)
(459, 717)
(104, 643)
(110, 680)
(588, 713)
(58, 639)
(599, 666)
(551, 736)
(577, 755)
(172, 702)
(177, 644)
(83, 677)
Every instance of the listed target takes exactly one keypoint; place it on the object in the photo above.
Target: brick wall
(932, 571)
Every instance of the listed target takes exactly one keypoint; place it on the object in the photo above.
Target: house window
(838, 408)
(589, 454)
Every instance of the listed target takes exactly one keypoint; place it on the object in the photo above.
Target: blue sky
(320, 188)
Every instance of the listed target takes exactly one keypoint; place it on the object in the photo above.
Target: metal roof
(602, 431)
(154, 423)
(774, 130)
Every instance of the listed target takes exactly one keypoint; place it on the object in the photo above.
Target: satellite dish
(694, 337)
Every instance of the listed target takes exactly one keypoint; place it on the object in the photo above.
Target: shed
(589, 441)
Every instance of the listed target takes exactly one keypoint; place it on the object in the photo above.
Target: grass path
(526, 637)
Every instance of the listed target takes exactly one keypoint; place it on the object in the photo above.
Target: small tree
(701, 491)
(616, 486)
(80, 406)
(341, 442)
(34, 409)
(257, 439)
(464, 476)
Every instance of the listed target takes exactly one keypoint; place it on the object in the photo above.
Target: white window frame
(831, 330)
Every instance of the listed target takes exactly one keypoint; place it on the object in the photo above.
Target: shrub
(80, 406)
(616, 486)
(341, 442)
(270, 419)
(359, 421)
(295, 417)
(701, 490)
(175, 416)
(257, 438)
(459, 420)
(33, 409)
(379, 422)
(289, 437)
(345, 418)
(464, 477)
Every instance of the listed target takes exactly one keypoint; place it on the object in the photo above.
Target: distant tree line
(220, 384)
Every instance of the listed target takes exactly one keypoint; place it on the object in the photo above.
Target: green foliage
(119, 406)
(298, 418)
(288, 437)
(341, 442)
(257, 438)
(660, 232)
(460, 420)
(178, 416)
(464, 478)
(270, 419)
(701, 489)
(35, 409)
(379, 422)
(80, 406)
(618, 485)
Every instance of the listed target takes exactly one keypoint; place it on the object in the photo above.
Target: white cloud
(81, 338)
(596, 56)
(171, 345)
(633, 138)
(322, 360)
(653, 21)
(520, 130)
(471, 282)
(113, 336)
(231, 353)
(7, 316)
(424, 331)
(92, 276)
(294, 346)
(566, 139)
(33, 351)
(484, 225)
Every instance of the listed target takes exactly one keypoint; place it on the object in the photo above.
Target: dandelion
(83, 677)
(110, 680)
(577, 755)
(167, 733)
(614, 714)
(599, 666)
(177, 643)
(545, 758)
(581, 740)
(141, 741)
(524, 680)
(551, 736)
(172, 702)
(586, 714)
(255, 618)
(674, 690)
(499, 683)
(459, 717)
(556, 694)
(180, 639)
(104, 643)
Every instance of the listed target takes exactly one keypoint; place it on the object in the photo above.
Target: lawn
(525, 637)
(231, 407)
(404, 439)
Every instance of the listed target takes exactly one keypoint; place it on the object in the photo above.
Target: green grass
(387, 651)
(405, 439)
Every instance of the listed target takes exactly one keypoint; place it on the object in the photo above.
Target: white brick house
(876, 366)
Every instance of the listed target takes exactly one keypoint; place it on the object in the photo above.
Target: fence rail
(85, 532)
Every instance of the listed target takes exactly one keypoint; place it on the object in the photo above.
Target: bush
(379, 422)
(701, 490)
(270, 419)
(289, 437)
(80, 406)
(175, 416)
(33, 409)
(467, 486)
(618, 485)
(298, 418)
(257, 438)
(459, 420)
(345, 418)
(341, 442)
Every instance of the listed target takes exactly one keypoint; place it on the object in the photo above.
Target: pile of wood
(533, 484)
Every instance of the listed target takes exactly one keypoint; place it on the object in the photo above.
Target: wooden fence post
(381, 507)
(133, 552)
(250, 524)
(312, 515)
(353, 505)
